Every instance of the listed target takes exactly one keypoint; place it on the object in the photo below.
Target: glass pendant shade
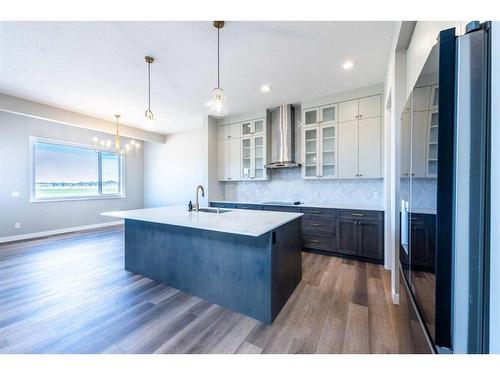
(149, 120)
(217, 105)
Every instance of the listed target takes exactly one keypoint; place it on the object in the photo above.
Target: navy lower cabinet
(251, 275)
(357, 234)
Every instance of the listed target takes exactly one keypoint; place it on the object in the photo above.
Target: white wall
(495, 197)
(173, 170)
(35, 217)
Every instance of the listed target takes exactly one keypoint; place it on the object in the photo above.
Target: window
(66, 171)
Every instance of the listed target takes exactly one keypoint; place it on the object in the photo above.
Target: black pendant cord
(218, 59)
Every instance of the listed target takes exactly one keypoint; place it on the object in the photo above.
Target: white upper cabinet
(432, 143)
(369, 107)
(310, 148)
(434, 97)
(229, 160)
(252, 127)
(223, 132)
(319, 152)
(419, 143)
(258, 126)
(326, 114)
(328, 160)
(246, 128)
(421, 98)
(234, 131)
(349, 110)
(348, 149)
(369, 142)
(405, 143)
(253, 158)
(310, 116)
(343, 140)
(229, 131)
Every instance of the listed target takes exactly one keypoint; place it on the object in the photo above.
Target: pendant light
(149, 116)
(217, 105)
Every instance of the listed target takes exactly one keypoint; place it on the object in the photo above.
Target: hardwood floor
(70, 294)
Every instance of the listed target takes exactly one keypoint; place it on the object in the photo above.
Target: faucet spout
(197, 203)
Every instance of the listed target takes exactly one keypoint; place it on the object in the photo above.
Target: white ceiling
(98, 68)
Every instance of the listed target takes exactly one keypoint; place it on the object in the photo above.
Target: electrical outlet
(14, 194)
(317, 196)
(17, 225)
(376, 195)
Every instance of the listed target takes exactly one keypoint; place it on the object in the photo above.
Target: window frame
(121, 172)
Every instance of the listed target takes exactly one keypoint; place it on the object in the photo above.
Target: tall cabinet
(360, 134)
(243, 151)
(253, 150)
(320, 142)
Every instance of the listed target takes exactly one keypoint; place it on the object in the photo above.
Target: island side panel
(231, 270)
(286, 269)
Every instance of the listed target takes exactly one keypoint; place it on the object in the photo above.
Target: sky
(58, 163)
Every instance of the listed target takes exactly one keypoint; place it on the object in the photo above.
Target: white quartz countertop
(312, 205)
(244, 222)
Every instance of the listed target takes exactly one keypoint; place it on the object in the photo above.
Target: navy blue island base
(254, 276)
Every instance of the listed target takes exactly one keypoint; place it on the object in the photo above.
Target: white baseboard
(29, 236)
(395, 297)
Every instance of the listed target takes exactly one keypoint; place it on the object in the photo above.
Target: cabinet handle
(360, 215)
(315, 225)
(359, 175)
(314, 241)
(315, 212)
(360, 116)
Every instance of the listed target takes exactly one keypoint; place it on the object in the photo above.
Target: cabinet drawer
(365, 214)
(320, 227)
(315, 242)
(281, 208)
(248, 206)
(330, 212)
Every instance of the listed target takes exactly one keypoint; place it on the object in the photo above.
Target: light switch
(17, 225)
(14, 194)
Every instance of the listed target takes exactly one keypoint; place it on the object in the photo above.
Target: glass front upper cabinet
(259, 154)
(258, 127)
(311, 153)
(329, 114)
(320, 115)
(246, 158)
(328, 152)
(246, 128)
(252, 127)
(432, 150)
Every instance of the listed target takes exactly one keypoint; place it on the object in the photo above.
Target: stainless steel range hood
(281, 122)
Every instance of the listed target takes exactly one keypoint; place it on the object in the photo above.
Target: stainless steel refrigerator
(445, 145)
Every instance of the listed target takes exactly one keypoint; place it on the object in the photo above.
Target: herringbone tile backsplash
(287, 184)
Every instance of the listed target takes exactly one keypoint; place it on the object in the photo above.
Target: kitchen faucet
(197, 203)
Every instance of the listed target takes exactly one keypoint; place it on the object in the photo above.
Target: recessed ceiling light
(265, 88)
(348, 65)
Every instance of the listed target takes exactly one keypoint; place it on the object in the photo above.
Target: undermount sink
(213, 210)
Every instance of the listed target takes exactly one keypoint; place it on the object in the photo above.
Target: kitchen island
(247, 261)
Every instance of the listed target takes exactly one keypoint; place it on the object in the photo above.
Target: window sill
(100, 197)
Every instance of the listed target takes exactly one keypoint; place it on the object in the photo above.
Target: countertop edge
(115, 214)
(307, 205)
